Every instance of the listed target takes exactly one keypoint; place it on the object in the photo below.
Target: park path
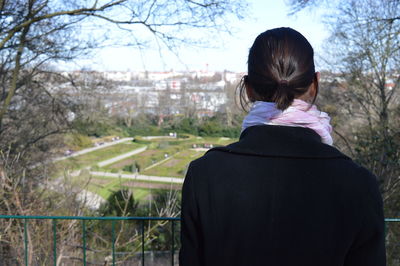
(92, 149)
(160, 162)
(165, 179)
(121, 157)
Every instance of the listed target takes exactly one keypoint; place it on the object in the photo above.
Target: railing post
(26, 240)
(55, 241)
(113, 241)
(84, 241)
(172, 241)
(142, 242)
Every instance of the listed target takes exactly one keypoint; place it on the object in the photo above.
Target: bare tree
(37, 31)
(364, 50)
(366, 44)
(35, 35)
(299, 5)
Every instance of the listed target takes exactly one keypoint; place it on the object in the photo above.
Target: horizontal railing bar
(392, 219)
(90, 218)
(110, 218)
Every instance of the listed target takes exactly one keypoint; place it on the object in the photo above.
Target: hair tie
(283, 82)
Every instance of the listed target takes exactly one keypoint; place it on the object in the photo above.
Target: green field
(163, 157)
(176, 165)
(92, 158)
(105, 186)
(180, 154)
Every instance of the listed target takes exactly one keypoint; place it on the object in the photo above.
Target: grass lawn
(139, 194)
(92, 158)
(180, 154)
(102, 186)
(147, 158)
(175, 166)
(105, 186)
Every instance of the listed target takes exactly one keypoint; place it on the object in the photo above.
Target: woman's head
(280, 68)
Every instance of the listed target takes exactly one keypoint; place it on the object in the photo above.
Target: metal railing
(83, 220)
(141, 220)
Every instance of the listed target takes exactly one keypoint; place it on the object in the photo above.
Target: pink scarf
(299, 114)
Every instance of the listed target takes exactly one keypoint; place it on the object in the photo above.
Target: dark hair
(280, 68)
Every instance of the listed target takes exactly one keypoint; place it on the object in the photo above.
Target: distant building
(168, 93)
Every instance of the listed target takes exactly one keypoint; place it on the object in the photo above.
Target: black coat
(280, 197)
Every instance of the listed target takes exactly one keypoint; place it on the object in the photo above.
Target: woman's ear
(313, 90)
(249, 90)
(316, 84)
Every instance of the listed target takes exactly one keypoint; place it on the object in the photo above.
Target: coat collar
(281, 141)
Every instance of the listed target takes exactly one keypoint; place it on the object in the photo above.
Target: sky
(230, 52)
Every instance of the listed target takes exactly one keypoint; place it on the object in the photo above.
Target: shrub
(114, 170)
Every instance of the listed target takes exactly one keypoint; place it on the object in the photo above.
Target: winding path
(122, 156)
(165, 179)
(92, 149)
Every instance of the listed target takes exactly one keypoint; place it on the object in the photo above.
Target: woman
(281, 195)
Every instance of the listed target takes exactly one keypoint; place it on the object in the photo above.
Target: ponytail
(284, 95)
